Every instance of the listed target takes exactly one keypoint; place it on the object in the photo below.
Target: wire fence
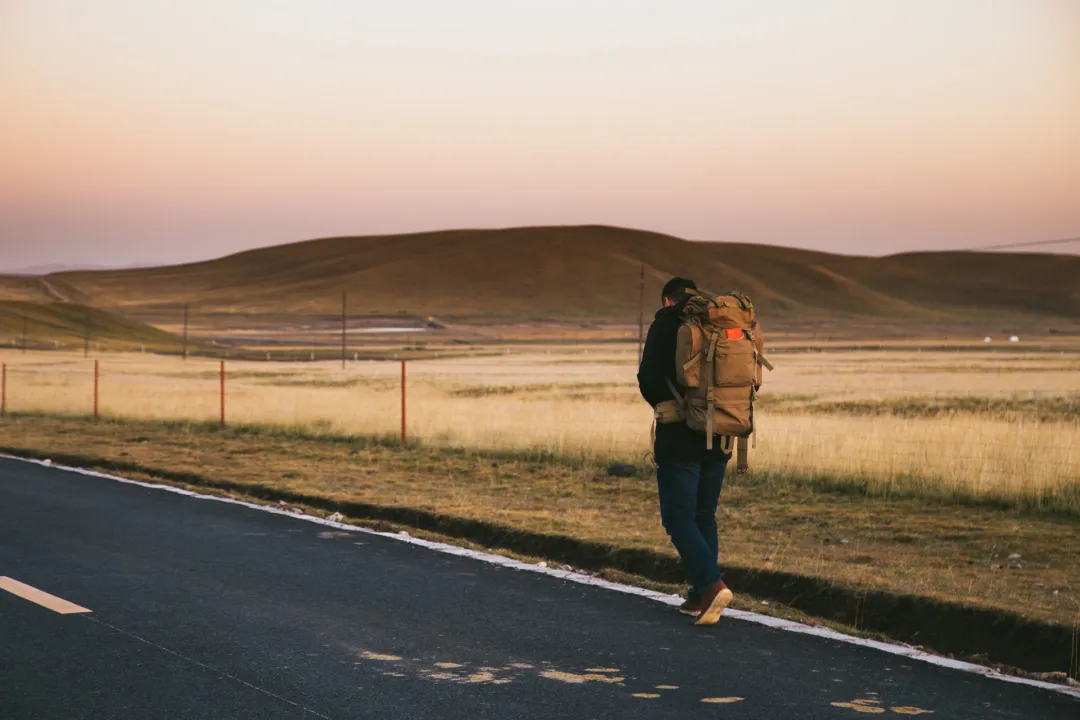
(994, 415)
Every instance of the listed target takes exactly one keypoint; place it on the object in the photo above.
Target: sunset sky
(145, 131)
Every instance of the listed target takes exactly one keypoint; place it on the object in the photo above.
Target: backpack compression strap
(727, 442)
(710, 368)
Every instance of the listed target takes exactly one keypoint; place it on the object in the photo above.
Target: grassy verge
(786, 539)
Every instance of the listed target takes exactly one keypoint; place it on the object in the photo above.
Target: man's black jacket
(675, 442)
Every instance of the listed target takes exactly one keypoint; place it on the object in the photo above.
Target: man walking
(689, 476)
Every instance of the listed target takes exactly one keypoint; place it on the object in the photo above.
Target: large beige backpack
(718, 359)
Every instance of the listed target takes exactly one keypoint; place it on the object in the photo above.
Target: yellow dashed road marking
(667, 687)
(58, 605)
(480, 677)
(860, 708)
(376, 656)
(442, 676)
(602, 670)
(908, 710)
(719, 701)
(575, 679)
(648, 696)
(447, 665)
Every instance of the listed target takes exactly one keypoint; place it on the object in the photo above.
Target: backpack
(719, 355)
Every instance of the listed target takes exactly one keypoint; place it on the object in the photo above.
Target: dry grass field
(1001, 427)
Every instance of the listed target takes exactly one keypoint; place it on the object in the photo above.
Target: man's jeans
(689, 493)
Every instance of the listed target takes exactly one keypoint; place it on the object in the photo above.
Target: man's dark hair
(676, 287)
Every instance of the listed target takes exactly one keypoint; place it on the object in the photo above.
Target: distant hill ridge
(587, 272)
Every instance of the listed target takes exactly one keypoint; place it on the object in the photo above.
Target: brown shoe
(714, 602)
(691, 606)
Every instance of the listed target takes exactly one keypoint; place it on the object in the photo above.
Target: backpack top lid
(734, 310)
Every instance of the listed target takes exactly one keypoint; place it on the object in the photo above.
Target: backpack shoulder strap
(675, 392)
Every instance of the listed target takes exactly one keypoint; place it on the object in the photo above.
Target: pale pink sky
(138, 131)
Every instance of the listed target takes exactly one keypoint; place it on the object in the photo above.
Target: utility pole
(641, 313)
(403, 402)
(344, 333)
(222, 393)
(97, 385)
(185, 329)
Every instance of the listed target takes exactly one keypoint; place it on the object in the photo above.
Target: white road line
(209, 668)
(766, 620)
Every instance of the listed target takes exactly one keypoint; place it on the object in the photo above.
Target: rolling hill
(581, 273)
(54, 325)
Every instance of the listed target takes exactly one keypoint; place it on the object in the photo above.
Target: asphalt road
(201, 609)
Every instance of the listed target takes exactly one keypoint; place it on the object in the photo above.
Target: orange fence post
(402, 402)
(3, 390)
(96, 384)
(222, 393)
